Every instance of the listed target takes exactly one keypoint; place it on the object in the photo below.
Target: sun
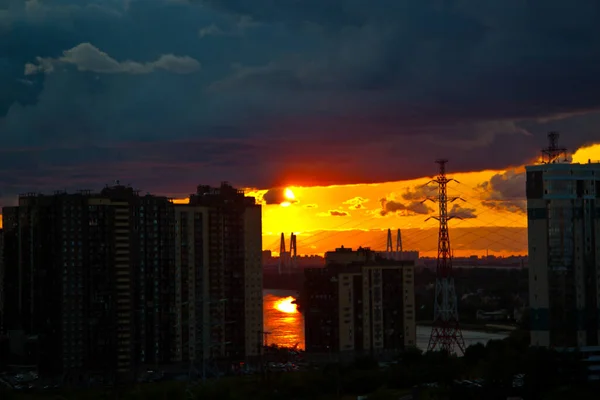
(289, 194)
(286, 305)
(289, 197)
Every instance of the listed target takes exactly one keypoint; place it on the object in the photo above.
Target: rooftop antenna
(552, 153)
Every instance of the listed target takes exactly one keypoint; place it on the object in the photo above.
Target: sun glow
(286, 305)
(289, 194)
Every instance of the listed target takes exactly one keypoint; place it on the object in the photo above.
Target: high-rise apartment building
(3, 337)
(359, 307)
(563, 215)
(115, 283)
(219, 276)
(87, 281)
(1, 283)
(9, 258)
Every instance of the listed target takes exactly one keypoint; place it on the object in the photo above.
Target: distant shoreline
(487, 328)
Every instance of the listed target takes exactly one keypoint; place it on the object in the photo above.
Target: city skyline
(302, 199)
(327, 217)
(117, 280)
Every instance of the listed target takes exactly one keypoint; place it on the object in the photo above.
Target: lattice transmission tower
(445, 332)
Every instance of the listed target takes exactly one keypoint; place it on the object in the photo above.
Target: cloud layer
(277, 196)
(167, 94)
(411, 208)
(87, 57)
(506, 192)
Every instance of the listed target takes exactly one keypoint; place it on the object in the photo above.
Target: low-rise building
(362, 307)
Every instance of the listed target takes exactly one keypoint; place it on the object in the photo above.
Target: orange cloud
(588, 153)
(334, 213)
(356, 203)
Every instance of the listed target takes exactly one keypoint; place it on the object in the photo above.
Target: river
(286, 324)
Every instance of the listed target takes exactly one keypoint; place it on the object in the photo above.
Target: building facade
(365, 307)
(9, 273)
(1, 282)
(563, 215)
(346, 256)
(116, 283)
(219, 276)
(87, 281)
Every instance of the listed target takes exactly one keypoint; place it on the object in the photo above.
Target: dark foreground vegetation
(499, 370)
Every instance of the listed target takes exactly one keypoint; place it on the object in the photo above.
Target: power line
(410, 240)
(335, 232)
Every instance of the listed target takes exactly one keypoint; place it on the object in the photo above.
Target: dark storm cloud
(395, 207)
(420, 193)
(463, 75)
(505, 192)
(276, 196)
(337, 91)
(30, 28)
(457, 211)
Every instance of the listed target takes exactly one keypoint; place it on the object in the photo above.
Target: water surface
(281, 318)
(286, 324)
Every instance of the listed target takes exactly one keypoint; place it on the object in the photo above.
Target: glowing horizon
(326, 217)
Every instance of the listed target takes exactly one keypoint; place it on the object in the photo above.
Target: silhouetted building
(16, 290)
(346, 256)
(1, 283)
(4, 345)
(404, 255)
(564, 258)
(364, 307)
(219, 276)
(89, 281)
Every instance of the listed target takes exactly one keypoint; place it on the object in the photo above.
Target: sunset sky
(168, 94)
(493, 213)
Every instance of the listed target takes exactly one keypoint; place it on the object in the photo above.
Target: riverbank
(484, 328)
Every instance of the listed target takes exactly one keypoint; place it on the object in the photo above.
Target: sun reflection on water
(286, 305)
(282, 319)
